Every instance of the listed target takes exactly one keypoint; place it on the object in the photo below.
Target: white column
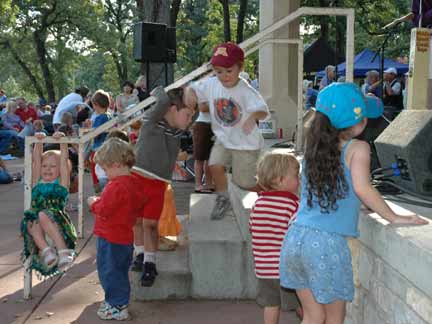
(278, 64)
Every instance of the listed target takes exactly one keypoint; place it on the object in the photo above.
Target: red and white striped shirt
(270, 218)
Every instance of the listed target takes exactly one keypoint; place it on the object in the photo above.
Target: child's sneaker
(137, 264)
(102, 306)
(222, 205)
(149, 274)
(119, 313)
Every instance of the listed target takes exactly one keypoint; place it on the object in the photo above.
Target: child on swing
(49, 235)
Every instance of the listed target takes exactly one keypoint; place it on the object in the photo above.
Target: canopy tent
(363, 63)
(318, 55)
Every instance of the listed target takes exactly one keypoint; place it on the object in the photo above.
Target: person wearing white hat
(392, 90)
(330, 75)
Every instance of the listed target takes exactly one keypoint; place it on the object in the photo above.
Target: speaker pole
(166, 73)
(148, 76)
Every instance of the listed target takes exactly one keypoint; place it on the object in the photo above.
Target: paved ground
(74, 297)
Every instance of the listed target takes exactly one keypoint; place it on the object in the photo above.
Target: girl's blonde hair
(49, 153)
(115, 150)
(274, 166)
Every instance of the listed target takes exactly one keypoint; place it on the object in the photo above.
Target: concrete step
(216, 252)
(174, 279)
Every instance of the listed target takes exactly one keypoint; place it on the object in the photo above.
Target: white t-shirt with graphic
(229, 109)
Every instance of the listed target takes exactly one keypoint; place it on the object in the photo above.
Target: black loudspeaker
(407, 141)
(154, 43)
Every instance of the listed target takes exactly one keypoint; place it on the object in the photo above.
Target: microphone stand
(381, 52)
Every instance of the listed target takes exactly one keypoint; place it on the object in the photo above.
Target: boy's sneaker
(102, 306)
(119, 313)
(149, 274)
(137, 264)
(222, 205)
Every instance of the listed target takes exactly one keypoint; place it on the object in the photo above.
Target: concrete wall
(278, 64)
(392, 266)
(392, 272)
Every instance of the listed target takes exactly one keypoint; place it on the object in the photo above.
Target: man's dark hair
(118, 133)
(83, 91)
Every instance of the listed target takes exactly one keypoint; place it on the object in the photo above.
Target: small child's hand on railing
(40, 135)
(58, 135)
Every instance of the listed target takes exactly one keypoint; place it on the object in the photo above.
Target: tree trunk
(324, 22)
(120, 67)
(240, 20)
(175, 8)
(226, 18)
(25, 69)
(340, 32)
(39, 39)
(157, 11)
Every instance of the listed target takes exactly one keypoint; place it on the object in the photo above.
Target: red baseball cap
(226, 55)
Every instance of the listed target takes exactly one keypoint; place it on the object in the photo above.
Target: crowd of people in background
(392, 89)
(20, 118)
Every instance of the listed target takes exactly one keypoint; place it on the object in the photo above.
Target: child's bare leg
(313, 312)
(219, 177)
(138, 232)
(271, 314)
(335, 312)
(151, 237)
(52, 230)
(37, 234)
(208, 176)
(198, 168)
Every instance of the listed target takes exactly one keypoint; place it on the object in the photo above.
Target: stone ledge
(407, 249)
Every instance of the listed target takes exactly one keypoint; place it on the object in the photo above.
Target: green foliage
(200, 29)
(370, 17)
(90, 41)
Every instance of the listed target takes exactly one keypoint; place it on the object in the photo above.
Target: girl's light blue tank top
(343, 220)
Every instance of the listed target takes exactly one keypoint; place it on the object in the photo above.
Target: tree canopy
(50, 47)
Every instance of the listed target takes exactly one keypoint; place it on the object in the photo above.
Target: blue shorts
(319, 261)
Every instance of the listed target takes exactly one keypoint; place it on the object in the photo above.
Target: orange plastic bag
(168, 222)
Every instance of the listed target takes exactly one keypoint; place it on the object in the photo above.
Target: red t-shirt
(25, 115)
(117, 208)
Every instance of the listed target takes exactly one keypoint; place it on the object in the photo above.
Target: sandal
(49, 257)
(66, 258)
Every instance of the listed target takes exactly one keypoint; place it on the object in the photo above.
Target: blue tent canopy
(362, 64)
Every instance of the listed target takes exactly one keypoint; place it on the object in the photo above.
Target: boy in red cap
(235, 108)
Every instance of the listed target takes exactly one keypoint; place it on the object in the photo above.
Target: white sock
(139, 249)
(149, 257)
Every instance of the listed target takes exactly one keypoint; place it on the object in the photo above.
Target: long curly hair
(324, 172)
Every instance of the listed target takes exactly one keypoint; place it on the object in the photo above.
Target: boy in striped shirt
(272, 214)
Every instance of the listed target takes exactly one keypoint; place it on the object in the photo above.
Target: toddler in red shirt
(271, 216)
(115, 213)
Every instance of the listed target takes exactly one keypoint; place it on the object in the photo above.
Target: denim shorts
(319, 261)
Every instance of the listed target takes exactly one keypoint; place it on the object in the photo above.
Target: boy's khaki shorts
(270, 294)
(243, 163)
